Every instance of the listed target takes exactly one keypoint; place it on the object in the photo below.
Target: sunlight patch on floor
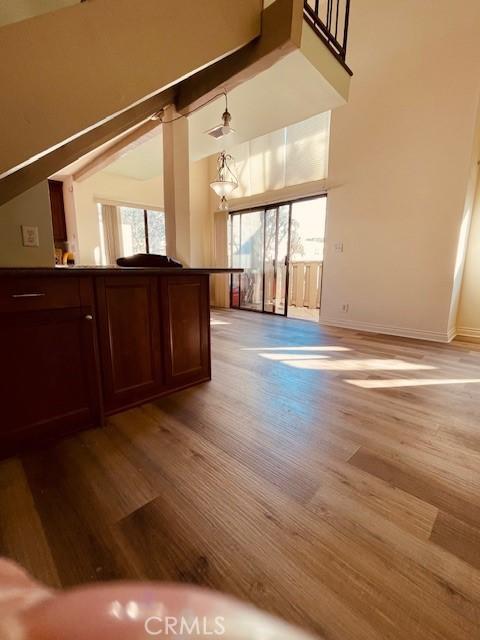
(393, 384)
(320, 348)
(326, 364)
(286, 357)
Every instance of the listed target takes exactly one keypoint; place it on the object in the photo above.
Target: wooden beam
(137, 136)
(30, 175)
(280, 34)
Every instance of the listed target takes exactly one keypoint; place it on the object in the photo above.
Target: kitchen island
(79, 343)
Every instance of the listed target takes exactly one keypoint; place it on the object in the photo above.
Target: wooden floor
(329, 476)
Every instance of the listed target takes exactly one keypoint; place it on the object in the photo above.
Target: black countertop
(110, 271)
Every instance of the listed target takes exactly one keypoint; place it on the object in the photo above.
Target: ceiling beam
(30, 175)
(281, 31)
(280, 34)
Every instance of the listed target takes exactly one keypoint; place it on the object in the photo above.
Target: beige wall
(110, 188)
(32, 209)
(465, 226)
(15, 10)
(399, 166)
(176, 186)
(201, 215)
(80, 65)
(468, 319)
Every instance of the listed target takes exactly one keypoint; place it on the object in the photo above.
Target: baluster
(345, 30)
(336, 19)
(329, 16)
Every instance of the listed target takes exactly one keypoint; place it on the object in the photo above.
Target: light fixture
(223, 129)
(223, 205)
(226, 181)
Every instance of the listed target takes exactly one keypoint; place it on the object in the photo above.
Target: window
(280, 248)
(126, 230)
(142, 231)
(289, 156)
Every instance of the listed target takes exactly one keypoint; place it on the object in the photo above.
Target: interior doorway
(280, 247)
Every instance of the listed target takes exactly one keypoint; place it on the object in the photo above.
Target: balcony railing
(329, 19)
(305, 283)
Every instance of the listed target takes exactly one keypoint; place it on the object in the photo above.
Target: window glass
(132, 231)
(156, 232)
(251, 260)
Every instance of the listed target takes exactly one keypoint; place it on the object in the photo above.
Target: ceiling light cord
(200, 106)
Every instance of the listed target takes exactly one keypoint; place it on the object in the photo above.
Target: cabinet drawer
(31, 294)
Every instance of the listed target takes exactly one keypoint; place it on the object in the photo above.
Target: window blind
(292, 155)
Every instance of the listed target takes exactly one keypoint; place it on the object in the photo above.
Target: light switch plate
(30, 236)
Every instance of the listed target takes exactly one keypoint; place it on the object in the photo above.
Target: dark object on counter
(148, 260)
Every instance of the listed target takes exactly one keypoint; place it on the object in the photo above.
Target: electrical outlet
(338, 247)
(345, 307)
(30, 236)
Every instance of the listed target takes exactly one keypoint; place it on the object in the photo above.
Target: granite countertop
(110, 270)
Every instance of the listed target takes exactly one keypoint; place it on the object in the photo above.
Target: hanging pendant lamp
(226, 181)
(223, 129)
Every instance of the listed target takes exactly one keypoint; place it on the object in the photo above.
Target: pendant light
(226, 181)
(223, 129)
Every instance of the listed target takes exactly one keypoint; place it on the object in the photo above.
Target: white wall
(31, 208)
(113, 189)
(399, 165)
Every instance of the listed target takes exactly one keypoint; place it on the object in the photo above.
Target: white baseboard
(468, 332)
(452, 333)
(370, 327)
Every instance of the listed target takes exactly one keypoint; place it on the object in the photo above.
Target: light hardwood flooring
(329, 476)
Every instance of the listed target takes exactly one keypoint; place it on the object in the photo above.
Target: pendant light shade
(223, 188)
(226, 181)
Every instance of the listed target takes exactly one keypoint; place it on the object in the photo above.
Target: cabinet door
(58, 210)
(129, 336)
(49, 382)
(186, 319)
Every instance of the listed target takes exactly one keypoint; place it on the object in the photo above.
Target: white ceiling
(290, 91)
(142, 163)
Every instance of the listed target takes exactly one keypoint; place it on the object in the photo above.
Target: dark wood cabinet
(58, 210)
(186, 315)
(49, 380)
(130, 340)
(79, 343)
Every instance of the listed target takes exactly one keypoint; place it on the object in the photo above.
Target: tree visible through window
(142, 231)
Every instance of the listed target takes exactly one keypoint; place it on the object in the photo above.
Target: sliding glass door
(276, 259)
(262, 242)
(258, 243)
(251, 260)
